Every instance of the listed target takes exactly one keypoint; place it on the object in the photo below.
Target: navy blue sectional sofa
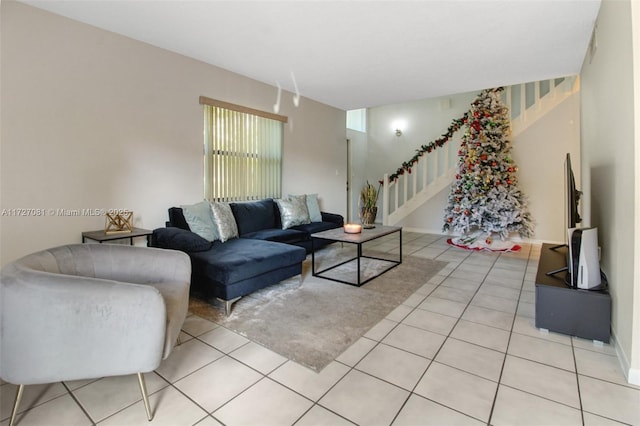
(264, 253)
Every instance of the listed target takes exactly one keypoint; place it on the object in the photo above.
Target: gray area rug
(315, 322)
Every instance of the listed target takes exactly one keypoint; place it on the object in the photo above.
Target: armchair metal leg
(145, 396)
(16, 404)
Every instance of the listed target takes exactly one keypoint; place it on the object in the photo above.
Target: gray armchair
(90, 310)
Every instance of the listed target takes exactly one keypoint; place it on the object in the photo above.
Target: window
(357, 120)
(242, 152)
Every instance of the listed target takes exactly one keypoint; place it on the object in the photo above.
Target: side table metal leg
(313, 259)
(358, 266)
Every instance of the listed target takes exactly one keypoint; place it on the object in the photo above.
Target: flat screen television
(572, 195)
(572, 217)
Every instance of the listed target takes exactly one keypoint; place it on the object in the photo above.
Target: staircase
(435, 171)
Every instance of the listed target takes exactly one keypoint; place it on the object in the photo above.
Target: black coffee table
(338, 235)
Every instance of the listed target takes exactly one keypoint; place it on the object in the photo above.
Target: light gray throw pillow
(200, 219)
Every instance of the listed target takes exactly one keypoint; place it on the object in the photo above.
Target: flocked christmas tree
(485, 198)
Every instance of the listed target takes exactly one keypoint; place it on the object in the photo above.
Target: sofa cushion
(242, 258)
(179, 239)
(200, 219)
(293, 211)
(313, 227)
(176, 219)
(224, 220)
(254, 216)
(288, 236)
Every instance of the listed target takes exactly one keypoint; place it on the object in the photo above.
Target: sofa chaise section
(240, 266)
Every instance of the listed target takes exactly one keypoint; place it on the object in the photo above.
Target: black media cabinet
(560, 308)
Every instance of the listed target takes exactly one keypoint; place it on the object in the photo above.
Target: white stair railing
(428, 176)
(435, 171)
(528, 102)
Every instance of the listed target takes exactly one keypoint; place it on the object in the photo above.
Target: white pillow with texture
(224, 220)
(313, 206)
(293, 211)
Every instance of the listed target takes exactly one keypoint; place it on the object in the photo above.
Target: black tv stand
(573, 311)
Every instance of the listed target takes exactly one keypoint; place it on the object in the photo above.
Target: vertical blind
(243, 154)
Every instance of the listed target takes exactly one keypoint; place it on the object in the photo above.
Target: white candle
(352, 228)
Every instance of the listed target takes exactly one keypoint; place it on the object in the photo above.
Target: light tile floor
(463, 350)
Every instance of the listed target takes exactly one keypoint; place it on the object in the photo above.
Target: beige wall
(609, 173)
(94, 120)
(540, 153)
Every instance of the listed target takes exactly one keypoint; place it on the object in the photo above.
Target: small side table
(101, 236)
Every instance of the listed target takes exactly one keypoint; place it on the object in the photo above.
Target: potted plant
(368, 205)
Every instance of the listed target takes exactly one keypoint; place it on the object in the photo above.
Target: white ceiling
(355, 54)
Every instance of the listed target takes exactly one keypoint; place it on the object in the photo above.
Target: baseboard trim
(632, 374)
(423, 230)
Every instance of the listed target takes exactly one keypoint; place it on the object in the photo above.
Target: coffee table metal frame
(338, 235)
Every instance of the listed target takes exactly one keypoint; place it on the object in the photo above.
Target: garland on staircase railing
(456, 124)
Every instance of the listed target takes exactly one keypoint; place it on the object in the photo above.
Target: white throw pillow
(293, 211)
(312, 206)
(224, 220)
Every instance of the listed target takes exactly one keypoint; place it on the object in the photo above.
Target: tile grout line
(504, 360)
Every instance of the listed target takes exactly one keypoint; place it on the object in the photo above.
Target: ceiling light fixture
(296, 98)
(276, 106)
